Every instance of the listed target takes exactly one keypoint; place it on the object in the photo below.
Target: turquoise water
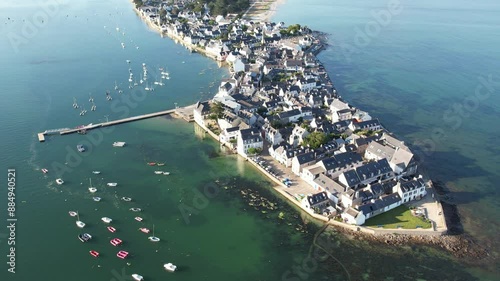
(209, 231)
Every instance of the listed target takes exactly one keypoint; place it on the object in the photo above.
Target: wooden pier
(183, 112)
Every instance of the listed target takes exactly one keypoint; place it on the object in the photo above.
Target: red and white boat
(111, 229)
(138, 218)
(45, 171)
(73, 213)
(143, 229)
(116, 241)
(122, 254)
(93, 253)
(152, 163)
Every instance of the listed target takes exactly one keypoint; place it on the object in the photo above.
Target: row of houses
(278, 96)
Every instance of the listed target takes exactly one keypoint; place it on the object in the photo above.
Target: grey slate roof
(306, 157)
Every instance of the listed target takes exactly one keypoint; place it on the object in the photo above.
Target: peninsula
(281, 111)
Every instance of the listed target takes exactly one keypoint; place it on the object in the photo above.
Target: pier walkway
(183, 112)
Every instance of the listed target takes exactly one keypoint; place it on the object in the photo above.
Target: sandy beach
(262, 10)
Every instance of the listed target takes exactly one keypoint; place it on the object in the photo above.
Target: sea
(427, 70)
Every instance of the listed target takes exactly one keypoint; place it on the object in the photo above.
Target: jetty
(185, 113)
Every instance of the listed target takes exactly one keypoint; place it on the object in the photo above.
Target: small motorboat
(116, 241)
(152, 163)
(122, 254)
(126, 199)
(111, 229)
(159, 172)
(135, 209)
(84, 237)
(80, 148)
(73, 213)
(93, 253)
(92, 189)
(138, 218)
(80, 224)
(96, 172)
(160, 164)
(106, 219)
(59, 181)
(166, 173)
(137, 277)
(97, 199)
(112, 184)
(45, 171)
(119, 144)
(143, 229)
(170, 267)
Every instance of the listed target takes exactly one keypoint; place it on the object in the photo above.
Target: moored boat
(138, 218)
(45, 171)
(122, 254)
(151, 163)
(84, 237)
(154, 238)
(73, 213)
(159, 172)
(166, 173)
(59, 181)
(135, 209)
(96, 172)
(170, 267)
(137, 277)
(119, 144)
(106, 219)
(144, 230)
(97, 199)
(92, 189)
(80, 148)
(112, 184)
(95, 254)
(116, 241)
(111, 229)
(160, 164)
(79, 223)
(126, 199)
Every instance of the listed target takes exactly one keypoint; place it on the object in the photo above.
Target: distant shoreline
(262, 10)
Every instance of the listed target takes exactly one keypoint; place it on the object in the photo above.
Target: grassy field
(397, 217)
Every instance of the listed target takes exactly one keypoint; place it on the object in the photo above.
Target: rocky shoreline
(462, 246)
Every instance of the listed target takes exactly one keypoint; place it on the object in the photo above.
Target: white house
(302, 160)
(410, 190)
(272, 135)
(298, 135)
(201, 112)
(316, 202)
(249, 138)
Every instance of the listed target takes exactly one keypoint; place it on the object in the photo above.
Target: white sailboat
(75, 105)
(91, 188)
(79, 223)
(153, 238)
(116, 86)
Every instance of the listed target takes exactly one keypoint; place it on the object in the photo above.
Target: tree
(253, 150)
(315, 139)
(217, 109)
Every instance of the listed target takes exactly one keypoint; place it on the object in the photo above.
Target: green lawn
(397, 217)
